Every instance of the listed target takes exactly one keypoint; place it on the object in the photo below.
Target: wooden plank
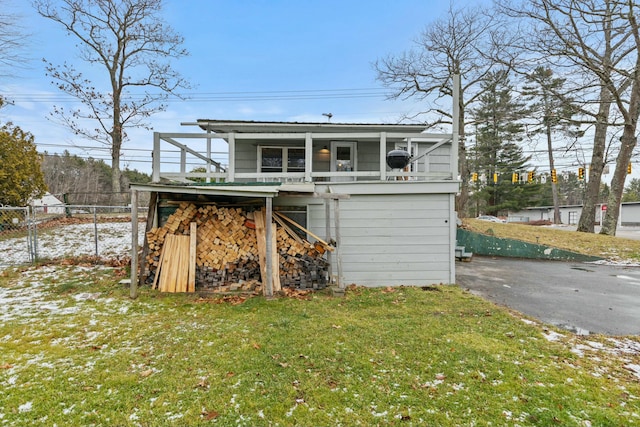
(191, 287)
(165, 272)
(295, 224)
(288, 229)
(182, 275)
(173, 266)
(275, 262)
(261, 237)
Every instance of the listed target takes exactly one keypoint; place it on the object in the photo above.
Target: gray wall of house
(630, 214)
(389, 239)
(368, 155)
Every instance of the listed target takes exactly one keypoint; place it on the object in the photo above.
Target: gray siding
(392, 239)
(246, 157)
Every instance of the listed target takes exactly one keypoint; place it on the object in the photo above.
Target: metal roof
(225, 126)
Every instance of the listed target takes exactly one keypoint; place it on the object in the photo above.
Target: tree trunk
(587, 220)
(610, 221)
(115, 160)
(628, 143)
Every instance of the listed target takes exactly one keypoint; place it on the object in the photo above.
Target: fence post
(31, 224)
(95, 229)
(35, 236)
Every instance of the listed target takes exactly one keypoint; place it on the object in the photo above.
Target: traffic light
(554, 176)
(474, 176)
(514, 178)
(581, 173)
(531, 175)
(495, 178)
(629, 169)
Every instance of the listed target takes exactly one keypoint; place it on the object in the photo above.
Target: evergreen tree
(552, 111)
(632, 191)
(497, 156)
(21, 178)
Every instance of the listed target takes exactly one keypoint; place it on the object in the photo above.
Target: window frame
(285, 168)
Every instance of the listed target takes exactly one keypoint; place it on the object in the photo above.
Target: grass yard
(75, 350)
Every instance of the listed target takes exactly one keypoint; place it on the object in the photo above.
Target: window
(281, 159)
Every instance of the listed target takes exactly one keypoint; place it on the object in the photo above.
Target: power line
(283, 95)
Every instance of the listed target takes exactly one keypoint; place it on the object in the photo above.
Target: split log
(227, 252)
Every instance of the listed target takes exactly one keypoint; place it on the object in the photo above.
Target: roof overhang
(239, 126)
(237, 190)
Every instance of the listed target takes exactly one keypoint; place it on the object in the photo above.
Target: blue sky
(241, 51)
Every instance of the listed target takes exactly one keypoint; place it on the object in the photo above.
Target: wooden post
(133, 287)
(269, 249)
(151, 222)
(327, 214)
(191, 280)
(336, 215)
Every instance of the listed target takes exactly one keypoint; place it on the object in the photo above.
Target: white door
(343, 159)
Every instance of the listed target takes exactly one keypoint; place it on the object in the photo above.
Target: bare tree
(12, 43)
(461, 43)
(129, 41)
(602, 39)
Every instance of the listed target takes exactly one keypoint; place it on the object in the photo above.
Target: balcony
(300, 152)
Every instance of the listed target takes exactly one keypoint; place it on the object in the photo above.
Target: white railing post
(231, 170)
(383, 156)
(183, 162)
(155, 158)
(308, 156)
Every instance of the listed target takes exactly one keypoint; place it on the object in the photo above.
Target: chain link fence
(55, 232)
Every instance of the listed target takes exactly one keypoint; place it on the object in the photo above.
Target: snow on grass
(74, 240)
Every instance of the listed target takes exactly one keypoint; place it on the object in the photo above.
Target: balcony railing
(199, 165)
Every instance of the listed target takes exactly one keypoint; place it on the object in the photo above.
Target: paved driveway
(584, 297)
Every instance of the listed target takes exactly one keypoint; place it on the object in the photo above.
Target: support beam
(336, 216)
(155, 158)
(327, 214)
(133, 289)
(269, 249)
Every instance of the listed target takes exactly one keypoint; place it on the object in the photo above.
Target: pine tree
(497, 155)
(552, 112)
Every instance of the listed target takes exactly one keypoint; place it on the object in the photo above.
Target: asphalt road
(583, 297)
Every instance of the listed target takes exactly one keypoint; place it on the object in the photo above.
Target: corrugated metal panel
(392, 239)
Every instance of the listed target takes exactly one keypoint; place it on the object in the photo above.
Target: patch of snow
(634, 368)
(612, 262)
(552, 336)
(25, 407)
(74, 240)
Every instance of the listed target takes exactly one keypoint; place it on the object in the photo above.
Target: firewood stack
(227, 256)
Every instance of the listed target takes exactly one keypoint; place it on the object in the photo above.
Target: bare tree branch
(133, 46)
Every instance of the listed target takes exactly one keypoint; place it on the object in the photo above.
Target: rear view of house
(390, 226)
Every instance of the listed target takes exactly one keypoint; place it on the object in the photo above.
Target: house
(391, 226)
(48, 204)
(570, 214)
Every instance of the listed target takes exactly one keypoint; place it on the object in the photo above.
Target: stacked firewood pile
(228, 253)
